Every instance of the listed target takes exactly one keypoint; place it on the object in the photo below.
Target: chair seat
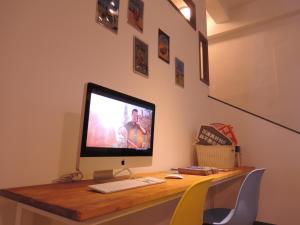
(215, 215)
(245, 210)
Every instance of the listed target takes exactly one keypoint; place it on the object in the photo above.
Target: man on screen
(135, 132)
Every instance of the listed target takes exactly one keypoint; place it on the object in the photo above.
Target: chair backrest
(190, 208)
(246, 207)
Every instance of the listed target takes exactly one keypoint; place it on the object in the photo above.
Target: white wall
(49, 49)
(274, 148)
(250, 13)
(254, 65)
(257, 69)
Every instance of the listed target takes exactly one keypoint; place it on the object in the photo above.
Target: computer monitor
(117, 131)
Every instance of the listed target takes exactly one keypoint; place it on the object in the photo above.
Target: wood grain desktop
(76, 202)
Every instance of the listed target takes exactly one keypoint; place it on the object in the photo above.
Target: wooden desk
(71, 202)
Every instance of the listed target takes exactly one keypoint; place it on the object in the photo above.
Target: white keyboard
(125, 184)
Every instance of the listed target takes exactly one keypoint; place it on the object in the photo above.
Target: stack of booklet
(198, 170)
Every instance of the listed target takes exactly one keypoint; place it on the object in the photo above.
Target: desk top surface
(76, 202)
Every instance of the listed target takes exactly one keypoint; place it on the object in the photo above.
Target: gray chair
(246, 207)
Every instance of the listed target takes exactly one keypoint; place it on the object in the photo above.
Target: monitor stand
(124, 169)
(103, 175)
(109, 174)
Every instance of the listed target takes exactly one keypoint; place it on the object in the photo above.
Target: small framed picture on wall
(140, 57)
(136, 14)
(179, 72)
(203, 59)
(163, 46)
(108, 14)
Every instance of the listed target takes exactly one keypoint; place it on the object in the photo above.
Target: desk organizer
(220, 156)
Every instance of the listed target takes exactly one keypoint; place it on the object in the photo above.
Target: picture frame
(135, 14)
(179, 72)
(203, 59)
(163, 46)
(140, 57)
(108, 14)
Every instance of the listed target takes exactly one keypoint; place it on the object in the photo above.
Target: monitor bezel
(86, 151)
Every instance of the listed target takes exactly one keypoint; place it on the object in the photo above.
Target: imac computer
(117, 131)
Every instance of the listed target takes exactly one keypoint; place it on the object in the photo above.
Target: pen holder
(237, 156)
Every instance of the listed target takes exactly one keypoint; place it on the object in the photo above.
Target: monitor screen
(116, 124)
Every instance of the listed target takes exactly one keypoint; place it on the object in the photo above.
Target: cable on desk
(70, 177)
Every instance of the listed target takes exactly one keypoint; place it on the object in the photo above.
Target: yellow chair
(190, 208)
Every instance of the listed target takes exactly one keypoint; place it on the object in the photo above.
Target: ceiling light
(186, 12)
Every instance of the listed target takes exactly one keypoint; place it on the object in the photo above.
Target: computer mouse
(174, 176)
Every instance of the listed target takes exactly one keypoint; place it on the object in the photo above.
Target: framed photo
(108, 14)
(163, 46)
(140, 57)
(136, 14)
(203, 59)
(179, 72)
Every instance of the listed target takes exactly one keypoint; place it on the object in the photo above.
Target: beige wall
(49, 49)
